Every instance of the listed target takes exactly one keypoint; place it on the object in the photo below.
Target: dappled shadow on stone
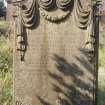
(43, 101)
(75, 91)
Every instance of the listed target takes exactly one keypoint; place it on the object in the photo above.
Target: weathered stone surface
(51, 62)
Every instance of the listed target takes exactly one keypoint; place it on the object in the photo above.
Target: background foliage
(5, 67)
(101, 75)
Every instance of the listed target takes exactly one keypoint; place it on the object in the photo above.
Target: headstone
(55, 52)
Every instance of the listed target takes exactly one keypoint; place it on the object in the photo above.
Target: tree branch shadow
(78, 93)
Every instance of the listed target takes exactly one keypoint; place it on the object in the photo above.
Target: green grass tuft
(5, 72)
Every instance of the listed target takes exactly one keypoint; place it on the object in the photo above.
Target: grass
(101, 75)
(5, 72)
(4, 28)
(101, 90)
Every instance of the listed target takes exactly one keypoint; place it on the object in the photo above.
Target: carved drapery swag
(29, 11)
